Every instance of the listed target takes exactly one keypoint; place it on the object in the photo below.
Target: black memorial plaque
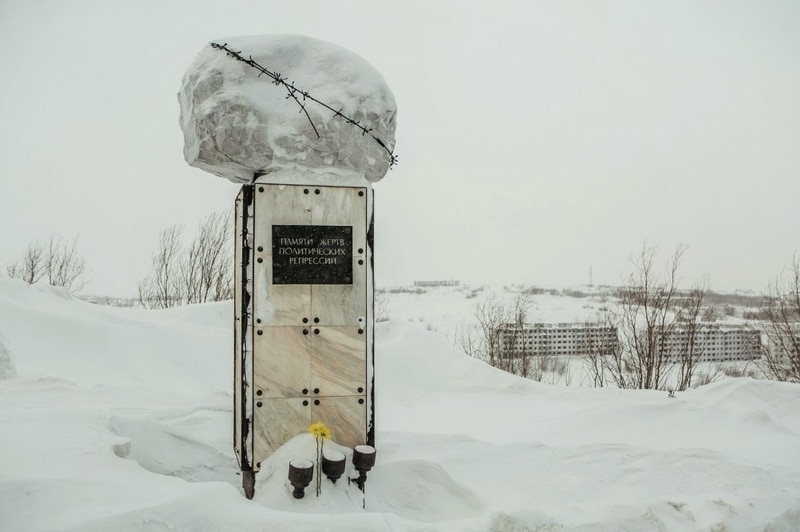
(312, 254)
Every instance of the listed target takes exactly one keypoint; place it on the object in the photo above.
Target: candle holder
(363, 461)
(333, 464)
(300, 474)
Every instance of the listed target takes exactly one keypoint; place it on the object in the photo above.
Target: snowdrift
(119, 419)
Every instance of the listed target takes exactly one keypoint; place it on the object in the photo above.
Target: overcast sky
(536, 139)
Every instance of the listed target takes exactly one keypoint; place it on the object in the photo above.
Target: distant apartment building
(557, 339)
(714, 343)
(436, 283)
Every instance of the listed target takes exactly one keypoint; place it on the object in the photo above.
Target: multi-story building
(711, 343)
(714, 343)
(557, 339)
(436, 283)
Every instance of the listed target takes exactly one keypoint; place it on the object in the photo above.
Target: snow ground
(120, 419)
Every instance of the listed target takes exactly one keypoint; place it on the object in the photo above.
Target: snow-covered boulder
(238, 120)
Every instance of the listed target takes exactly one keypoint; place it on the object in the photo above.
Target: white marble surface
(311, 343)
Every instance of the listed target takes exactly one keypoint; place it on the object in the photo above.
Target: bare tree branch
(58, 262)
(201, 272)
(781, 360)
(658, 329)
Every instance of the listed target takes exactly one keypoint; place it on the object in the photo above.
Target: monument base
(304, 328)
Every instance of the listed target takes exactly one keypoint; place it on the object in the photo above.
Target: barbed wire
(296, 94)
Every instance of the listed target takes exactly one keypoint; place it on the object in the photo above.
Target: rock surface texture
(238, 121)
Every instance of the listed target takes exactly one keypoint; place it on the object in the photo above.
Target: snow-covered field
(120, 420)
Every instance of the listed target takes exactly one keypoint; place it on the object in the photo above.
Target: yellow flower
(319, 430)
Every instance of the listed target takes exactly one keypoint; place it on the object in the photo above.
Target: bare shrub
(63, 266)
(162, 288)
(712, 374)
(498, 339)
(599, 352)
(197, 273)
(207, 267)
(555, 370)
(483, 344)
(658, 329)
(781, 310)
(717, 371)
(737, 371)
(57, 262)
(29, 267)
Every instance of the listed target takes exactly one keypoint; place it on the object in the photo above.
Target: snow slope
(120, 419)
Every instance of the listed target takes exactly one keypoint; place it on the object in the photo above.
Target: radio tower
(590, 275)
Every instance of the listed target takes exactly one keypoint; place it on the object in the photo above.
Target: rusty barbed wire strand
(293, 92)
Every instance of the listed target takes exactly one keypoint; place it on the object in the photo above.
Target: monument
(306, 127)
